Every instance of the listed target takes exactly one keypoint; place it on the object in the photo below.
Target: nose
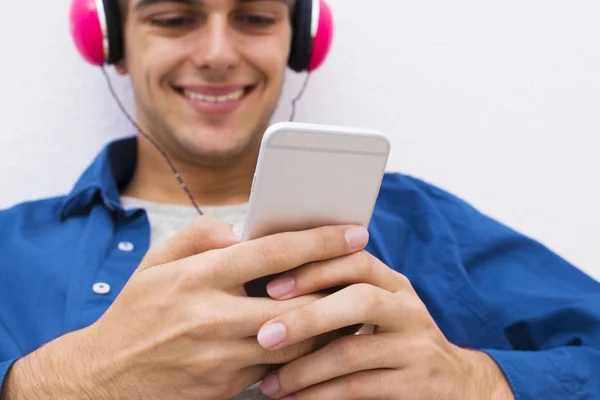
(216, 50)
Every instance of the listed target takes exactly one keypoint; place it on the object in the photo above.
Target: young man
(110, 292)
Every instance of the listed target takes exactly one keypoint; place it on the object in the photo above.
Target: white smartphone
(311, 175)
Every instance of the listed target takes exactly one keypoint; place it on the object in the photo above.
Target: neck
(221, 185)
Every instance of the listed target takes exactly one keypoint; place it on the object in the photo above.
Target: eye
(256, 20)
(172, 22)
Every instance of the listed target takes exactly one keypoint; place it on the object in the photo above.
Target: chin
(216, 149)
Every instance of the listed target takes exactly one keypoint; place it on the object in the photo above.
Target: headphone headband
(96, 29)
(103, 27)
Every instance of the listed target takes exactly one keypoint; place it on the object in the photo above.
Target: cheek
(151, 59)
(160, 59)
(268, 57)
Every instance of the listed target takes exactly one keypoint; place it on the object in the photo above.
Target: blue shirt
(487, 286)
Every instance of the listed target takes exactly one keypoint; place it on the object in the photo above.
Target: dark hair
(123, 8)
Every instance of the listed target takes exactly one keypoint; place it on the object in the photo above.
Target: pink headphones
(96, 28)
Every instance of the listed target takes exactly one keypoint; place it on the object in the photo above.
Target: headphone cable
(152, 141)
(161, 151)
(299, 96)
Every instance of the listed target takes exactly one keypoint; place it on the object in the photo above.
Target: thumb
(204, 233)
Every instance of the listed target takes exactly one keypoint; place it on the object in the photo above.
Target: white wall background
(498, 102)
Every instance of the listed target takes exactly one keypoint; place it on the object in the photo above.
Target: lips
(215, 99)
(231, 96)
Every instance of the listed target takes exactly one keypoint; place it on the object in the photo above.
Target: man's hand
(183, 327)
(406, 357)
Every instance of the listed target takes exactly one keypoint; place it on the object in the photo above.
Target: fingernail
(357, 237)
(281, 286)
(238, 231)
(271, 335)
(270, 386)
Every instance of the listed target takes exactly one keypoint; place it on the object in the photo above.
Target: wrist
(490, 381)
(57, 370)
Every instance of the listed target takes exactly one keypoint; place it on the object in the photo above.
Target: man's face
(207, 74)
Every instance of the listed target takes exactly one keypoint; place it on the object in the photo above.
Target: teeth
(214, 99)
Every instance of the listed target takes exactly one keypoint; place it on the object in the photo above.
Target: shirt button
(101, 288)
(126, 246)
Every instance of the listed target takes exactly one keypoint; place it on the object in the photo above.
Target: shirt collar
(104, 179)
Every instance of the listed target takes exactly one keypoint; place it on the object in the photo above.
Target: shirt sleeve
(560, 373)
(548, 308)
(4, 368)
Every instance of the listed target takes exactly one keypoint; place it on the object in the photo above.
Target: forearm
(27, 380)
(55, 371)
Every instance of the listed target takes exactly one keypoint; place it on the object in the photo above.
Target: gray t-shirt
(166, 220)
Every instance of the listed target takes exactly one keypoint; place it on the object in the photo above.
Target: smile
(215, 99)
(233, 96)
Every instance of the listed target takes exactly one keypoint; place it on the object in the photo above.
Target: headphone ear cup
(96, 30)
(312, 36)
(87, 32)
(323, 39)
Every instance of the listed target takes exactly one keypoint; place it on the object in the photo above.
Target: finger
(342, 357)
(364, 385)
(359, 267)
(277, 253)
(258, 355)
(202, 234)
(250, 314)
(356, 304)
(248, 377)
(246, 352)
